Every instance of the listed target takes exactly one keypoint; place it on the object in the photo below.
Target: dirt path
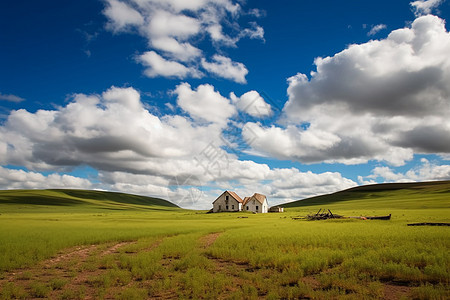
(207, 240)
(71, 268)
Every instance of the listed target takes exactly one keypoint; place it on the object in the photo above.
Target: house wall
(221, 204)
(255, 206)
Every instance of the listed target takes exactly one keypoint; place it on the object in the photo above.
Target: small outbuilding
(275, 209)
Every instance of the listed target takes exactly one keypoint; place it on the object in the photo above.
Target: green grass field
(66, 244)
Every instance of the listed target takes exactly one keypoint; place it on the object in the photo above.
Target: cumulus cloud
(384, 100)
(11, 98)
(166, 24)
(425, 171)
(204, 104)
(173, 157)
(159, 66)
(226, 68)
(112, 131)
(174, 29)
(253, 104)
(20, 179)
(180, 51)
(425, 7)
(121, 16)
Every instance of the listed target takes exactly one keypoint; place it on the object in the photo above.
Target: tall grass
(262, 256)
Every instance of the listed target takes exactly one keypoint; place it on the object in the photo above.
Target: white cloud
(166, 24)
(180, 51)
(226, 68)
(159, 66)
(425, 7)
(175, 28)
(382, 100)
(121, 16)
(253, 104)
(375, 29)
(108, 132)
(20, 179)
(134, 151)
(11, 98)
(426, 171)
(204, 104)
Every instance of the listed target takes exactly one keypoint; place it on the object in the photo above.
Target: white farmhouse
(256, 203)
(228, 201)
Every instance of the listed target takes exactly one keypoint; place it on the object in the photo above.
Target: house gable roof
(232, 194)
(258, 197)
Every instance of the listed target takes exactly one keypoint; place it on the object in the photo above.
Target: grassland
(63, 244)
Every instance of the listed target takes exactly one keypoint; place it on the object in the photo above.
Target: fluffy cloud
(174, 27)
(424, 7)
(166, 24)
(384, 100)
(173, 157)
(109, 132)
(226, 68)
(204, 104)
(121, 16)
(181, 51)
(20, 179)
(159, 66)
(253, 104)
(426, 171)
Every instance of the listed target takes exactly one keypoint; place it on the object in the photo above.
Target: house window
(247, 207)
(226, 198)
(232, 206)
(256, 207)
(226, 207)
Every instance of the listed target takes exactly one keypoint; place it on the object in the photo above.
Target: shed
(274, 209)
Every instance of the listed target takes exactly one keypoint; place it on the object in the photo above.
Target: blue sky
(183, 99)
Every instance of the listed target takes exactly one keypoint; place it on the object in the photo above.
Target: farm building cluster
(229, 201)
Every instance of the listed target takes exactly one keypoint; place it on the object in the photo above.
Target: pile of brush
(323, 215)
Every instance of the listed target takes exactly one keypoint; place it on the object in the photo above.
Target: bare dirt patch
(207, 240)
(116, 247)
(63, 276)
(80, 253)
(394, 292)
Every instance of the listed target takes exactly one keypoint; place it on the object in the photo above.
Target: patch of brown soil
(73, 266)
(116, 247)
(311, 281)
(394, 292)
(80, 253)
(207, 240)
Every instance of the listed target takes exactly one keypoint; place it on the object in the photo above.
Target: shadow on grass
(39, 200)
(68, 197)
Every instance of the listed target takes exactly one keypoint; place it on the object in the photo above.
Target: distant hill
(435, 194)
(82, 198)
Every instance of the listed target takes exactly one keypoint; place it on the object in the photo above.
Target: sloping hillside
(81, 199)
(389, 195)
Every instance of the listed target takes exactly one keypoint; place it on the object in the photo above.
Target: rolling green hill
(65, 198)
(421, 195)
